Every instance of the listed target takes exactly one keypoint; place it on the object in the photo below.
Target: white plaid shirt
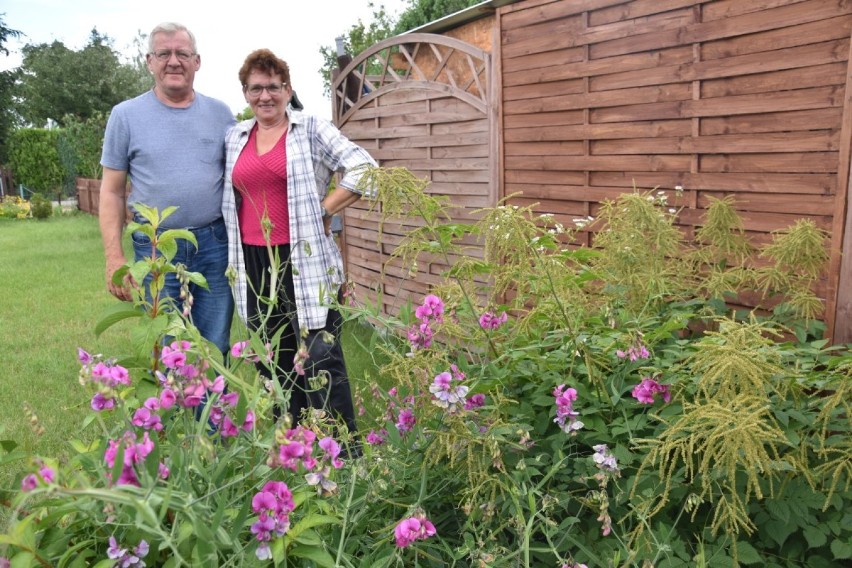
(315, 151)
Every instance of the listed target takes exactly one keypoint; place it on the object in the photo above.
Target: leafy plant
(545, 405)
(40, 207)
(34, 158)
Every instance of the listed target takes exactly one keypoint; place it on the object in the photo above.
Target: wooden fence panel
(427, 110)
(723, 97)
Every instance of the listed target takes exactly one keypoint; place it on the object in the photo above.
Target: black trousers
(323, 356)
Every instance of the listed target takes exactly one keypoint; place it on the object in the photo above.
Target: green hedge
(34, 159)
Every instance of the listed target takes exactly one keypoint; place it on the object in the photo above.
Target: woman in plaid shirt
(278, 213)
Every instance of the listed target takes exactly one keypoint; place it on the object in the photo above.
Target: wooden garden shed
(572, 102)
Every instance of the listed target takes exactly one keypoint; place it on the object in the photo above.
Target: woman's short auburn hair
(265, 61)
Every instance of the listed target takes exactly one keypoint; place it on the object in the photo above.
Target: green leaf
(197, 278)
(23, 533)
(841, 550)
(318, 555)
(815, 537)
(114, 314)
(747, 554)
(174, 234)
(8, 445)
(277, 551)
(22, 560)
(168, 248)
(779, 531)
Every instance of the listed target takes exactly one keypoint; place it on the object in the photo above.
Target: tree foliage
(7, 83)
(57, 82)
(421, 12)
(382, 26)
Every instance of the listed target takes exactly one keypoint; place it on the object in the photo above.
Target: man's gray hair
(170, 28)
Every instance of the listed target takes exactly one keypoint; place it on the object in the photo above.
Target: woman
(278, 213)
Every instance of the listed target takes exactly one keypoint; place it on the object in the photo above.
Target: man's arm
(111, 214)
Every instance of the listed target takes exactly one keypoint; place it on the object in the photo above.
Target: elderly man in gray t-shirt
(170, 141)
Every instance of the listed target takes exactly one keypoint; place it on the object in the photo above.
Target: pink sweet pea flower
(167, 399)
(413, 528)
(646, 391)
(101, 402)
(29, 482)
(491, 321)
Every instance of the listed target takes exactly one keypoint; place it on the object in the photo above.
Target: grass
(53, 294)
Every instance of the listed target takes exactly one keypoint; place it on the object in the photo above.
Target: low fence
(89, 193)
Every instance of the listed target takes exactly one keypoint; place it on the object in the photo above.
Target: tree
(361, 36)
(8, 117)
(421, 12)
(56, 82)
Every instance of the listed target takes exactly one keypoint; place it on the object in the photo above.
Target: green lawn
(52, 293)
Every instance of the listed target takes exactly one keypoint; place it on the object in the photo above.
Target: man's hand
(122, 292)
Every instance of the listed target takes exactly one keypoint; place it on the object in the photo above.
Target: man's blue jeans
(212, 309)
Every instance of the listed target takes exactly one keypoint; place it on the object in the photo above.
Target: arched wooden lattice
(419, 101)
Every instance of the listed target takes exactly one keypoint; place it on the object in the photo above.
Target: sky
(226, 32)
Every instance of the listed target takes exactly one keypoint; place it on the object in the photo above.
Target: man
(170, 141)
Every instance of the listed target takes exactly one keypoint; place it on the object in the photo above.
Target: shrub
(551, 406)
(34, 158)
(13, 207)
(41, 208)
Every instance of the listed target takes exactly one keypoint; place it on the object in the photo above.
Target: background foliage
(381, 25)
(34, 157)
(57, 83)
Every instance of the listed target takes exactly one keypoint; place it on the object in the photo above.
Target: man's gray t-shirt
(174, 156)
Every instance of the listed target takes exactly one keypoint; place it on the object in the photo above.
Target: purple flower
(47, 474)
(490, 321)
(167, 399)
(474, 402)
(238, 349)
(332, 451)
(406, 420)
(566, 416)
(29, 482)
(101, 402)
(634, 352)
(84, 357)
(604, 459)
(445, 394)
(125, 559)
(273, 503)
(295, 448)
(5, 562)
(377, 438)
(646, 391)
(431, 309)
(417, 527)
(135, 452)
(144, 418)
(420, 336)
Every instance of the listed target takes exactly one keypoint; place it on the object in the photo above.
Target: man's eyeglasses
(271, 88)
(165, 54)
